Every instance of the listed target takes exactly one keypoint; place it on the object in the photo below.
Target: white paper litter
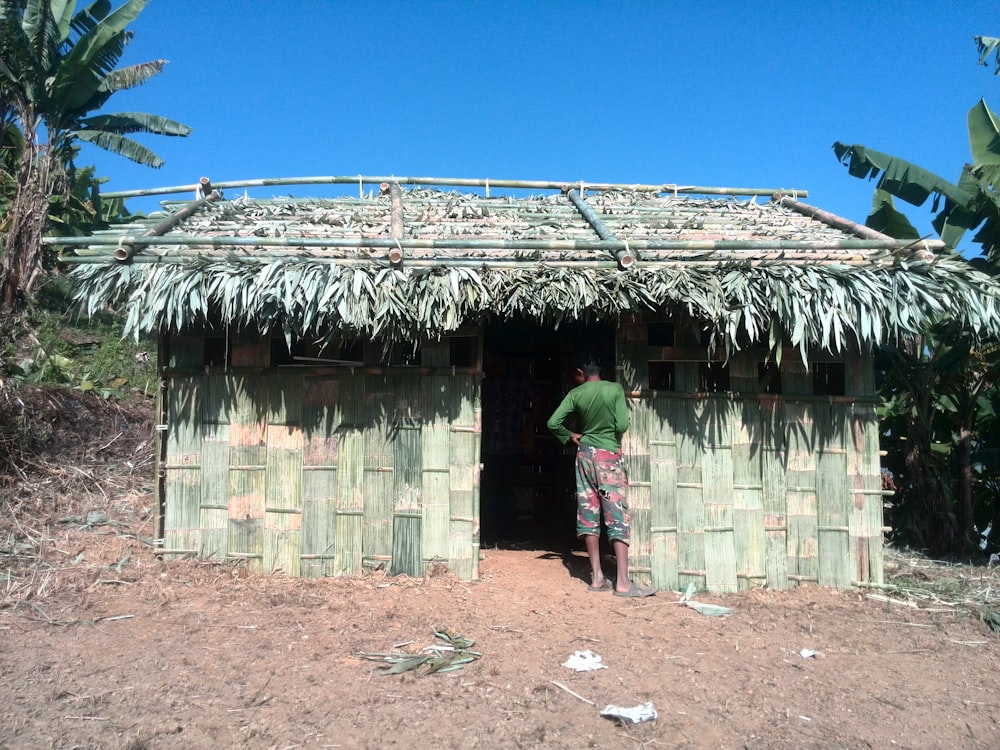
(633, 715)
(807, 653)
(584, 661)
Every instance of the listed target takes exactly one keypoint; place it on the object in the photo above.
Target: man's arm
(621, 412)
(555, 423)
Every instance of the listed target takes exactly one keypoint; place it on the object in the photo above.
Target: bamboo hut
(328, 398)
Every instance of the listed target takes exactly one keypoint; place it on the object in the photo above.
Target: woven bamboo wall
(329, 472)
(738, 489)
(321, 472)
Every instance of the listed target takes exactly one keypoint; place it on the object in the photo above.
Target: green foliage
(51, 346)
(940, 384)
(57, 69)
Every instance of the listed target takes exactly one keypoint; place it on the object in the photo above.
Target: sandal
(606, 586)
(636, 592)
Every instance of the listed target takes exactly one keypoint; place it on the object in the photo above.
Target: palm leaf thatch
(751, 272)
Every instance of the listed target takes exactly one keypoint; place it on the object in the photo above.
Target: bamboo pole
(487, 183)
(839, 222)
(625, 257)
(395, 220)
(492, 263)
(481, 244)
(125, 252)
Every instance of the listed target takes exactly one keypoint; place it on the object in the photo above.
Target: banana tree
(57, 69)
(941, 380)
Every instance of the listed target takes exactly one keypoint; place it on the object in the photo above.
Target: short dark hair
(588, 364)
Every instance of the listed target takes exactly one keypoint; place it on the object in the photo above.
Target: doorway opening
(527, 485)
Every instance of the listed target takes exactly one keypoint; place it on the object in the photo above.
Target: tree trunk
(965, 519)
(40, 176)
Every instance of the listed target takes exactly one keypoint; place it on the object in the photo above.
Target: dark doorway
(527, 487)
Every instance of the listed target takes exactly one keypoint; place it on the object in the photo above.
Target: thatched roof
(402, 263)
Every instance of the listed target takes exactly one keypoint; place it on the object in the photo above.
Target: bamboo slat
(182, 465)
(320, 413)
(436, 451)
(407, 554)
(774, 492)
(464, 477)
(350, 477)
(214, 487)
(247, 471)
(748, 490)
(832, 499)
(381, 403)
(636, 458)
(283, 494)
(690, 500)
(717, 482)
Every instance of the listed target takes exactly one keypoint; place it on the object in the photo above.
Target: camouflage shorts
(601, 486)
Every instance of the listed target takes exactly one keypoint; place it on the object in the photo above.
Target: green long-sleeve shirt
(600, 405)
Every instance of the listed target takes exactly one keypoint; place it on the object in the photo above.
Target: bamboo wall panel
(690, 498)
(321, 421)
(247, 467)
(320, 473)
(663, 510)
(283, 494)
(800, 475)
(748, 495)
(435, 537)
(212, 541)
(864, 473)
(632, 372)
(182, 466)
(832, 490)
(717, 483)
(464, 477)
(382, 397)
(407, 552)
(865, 506)
(350, 478)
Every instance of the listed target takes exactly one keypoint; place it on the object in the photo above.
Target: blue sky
(743, 94)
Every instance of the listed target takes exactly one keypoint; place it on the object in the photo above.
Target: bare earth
(102, 645)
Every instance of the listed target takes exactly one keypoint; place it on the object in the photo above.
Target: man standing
(601, 484)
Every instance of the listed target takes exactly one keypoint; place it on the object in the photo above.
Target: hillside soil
(104, 645)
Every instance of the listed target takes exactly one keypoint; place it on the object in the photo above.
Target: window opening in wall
(215, 351)
(306, 352)
(714, 377)
(661, 376)
(463, 351)
(660, 334)
(769, 377)
(829, 379)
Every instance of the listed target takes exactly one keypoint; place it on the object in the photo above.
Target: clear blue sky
(744, 94)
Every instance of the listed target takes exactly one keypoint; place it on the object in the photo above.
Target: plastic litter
(633, 715)
(984, 535)
(713, 610)
(807, 653)
(584, 661)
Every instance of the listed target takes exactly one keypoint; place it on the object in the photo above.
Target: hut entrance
(527, 489)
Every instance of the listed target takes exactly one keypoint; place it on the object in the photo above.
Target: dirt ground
(103, 645)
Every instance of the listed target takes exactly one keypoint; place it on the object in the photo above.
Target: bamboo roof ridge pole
(145, 240)
(464, 182)
(395, 220)
(624, 255)
(206, 193)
